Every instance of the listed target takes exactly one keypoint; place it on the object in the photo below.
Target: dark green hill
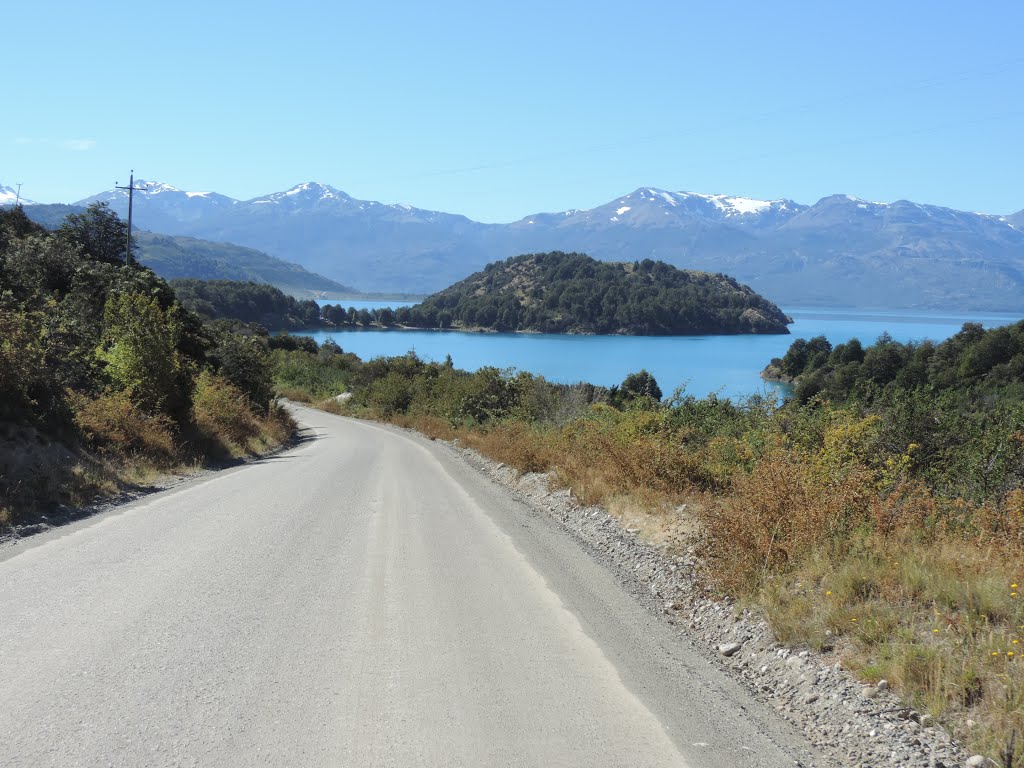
(573, 293)
(248, 302)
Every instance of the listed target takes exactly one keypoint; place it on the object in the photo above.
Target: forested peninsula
(573, 293)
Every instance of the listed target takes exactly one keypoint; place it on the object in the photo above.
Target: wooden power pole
(132, 189)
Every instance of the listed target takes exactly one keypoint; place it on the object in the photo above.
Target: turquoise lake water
(727, 365)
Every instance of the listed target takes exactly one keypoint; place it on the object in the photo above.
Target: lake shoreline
(725, 365)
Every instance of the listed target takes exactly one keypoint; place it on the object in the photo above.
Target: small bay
(726, 365)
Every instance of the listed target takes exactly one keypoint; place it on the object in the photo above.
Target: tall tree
(99, 233)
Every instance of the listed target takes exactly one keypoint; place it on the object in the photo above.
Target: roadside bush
(27, 393)
(243, 362)
(117, 427)
(224, 415)
(139, 350)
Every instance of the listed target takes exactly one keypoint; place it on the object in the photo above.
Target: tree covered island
(573, 293)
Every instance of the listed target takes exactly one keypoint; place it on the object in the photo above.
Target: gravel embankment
(853, 723)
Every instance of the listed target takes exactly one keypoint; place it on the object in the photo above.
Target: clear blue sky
(497, 111)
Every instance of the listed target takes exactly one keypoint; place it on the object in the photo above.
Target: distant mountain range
(840, 251)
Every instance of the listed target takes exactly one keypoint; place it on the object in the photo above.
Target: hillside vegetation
(247, 302)
(573, 293)
(105, 378)
(173, 257)
(881, 523)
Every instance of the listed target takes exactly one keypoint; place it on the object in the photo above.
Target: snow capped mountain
(9, 195)
(649, 206)
(841, 251)
(310, 193)
(326, 200)
(161, 207)
(152, 191)
(716, 206)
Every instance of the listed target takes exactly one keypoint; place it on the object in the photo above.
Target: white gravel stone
(729, 649)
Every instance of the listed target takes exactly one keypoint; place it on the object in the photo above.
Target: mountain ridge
(840, 251)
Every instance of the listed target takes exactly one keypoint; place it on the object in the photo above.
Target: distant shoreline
(527, 332)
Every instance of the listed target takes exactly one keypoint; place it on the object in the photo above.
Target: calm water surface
(727, 365)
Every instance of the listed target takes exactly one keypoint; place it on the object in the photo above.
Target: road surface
(363, 599)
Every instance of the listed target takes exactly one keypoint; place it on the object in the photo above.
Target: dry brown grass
(833, 559)
(939, 618)
(37, 471)
(118, 429)
(297, 394)
(837, 548)
(230, 425)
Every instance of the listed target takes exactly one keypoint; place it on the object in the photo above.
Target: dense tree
(641, 384)
(99, 234)
(139, 350)
(248, 302)
(243, 361)
(15, 225)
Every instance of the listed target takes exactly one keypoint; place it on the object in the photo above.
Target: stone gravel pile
(850, 723)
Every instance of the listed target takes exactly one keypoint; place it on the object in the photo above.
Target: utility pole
(132, 189)
(17, 199)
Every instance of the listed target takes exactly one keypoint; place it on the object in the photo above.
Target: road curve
(363, 599)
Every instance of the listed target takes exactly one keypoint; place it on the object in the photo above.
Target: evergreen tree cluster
(247, 302)
(573, 293)
(955, 408)
(975, 361)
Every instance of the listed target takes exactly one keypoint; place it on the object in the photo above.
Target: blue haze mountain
(841, 251)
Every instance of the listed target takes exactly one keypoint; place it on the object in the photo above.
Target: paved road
(364, 599)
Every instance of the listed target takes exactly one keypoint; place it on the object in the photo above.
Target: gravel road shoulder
(850, 723)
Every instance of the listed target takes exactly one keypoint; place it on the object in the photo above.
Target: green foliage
(243, 361)
(16, 225)
(26, 392)
(313, 375)
(959, 403)
(572, 293)
(639, 385)
(98, 360)
(139, 350)
(98, 233)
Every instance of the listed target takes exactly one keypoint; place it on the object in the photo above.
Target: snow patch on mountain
(727, 205)
(303, 194)
(155, 187)
(865, 203)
